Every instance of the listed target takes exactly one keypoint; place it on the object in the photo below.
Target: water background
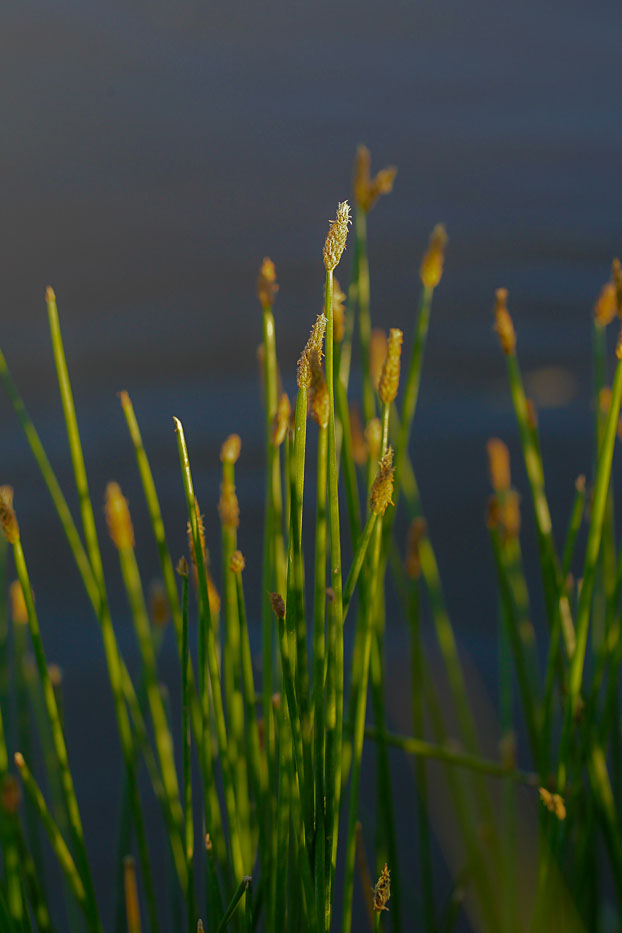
(153, 153)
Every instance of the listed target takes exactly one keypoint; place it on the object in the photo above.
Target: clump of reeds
(279, 759)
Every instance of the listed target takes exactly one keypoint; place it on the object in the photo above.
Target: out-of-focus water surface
(153, 153)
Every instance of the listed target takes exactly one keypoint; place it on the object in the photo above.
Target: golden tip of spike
(50, 294)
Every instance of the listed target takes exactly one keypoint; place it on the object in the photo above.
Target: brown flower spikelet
(267, 285)
(367, 190)
(237, 562)
(319, 402)
(19, 613)
(159, 607)
(382, 487)
(8, 519)
(280, 421)
(616, 273)
(498, 464)
(228, 505)
(390, 376)
(553, 802)
(313, 344)
(432, 263)
(606, 306)
(118, 518)
(377, 354)
(504, 326)
(230, 449)
(278, 606)
(339, 312)
(382, 890)
(337, 235)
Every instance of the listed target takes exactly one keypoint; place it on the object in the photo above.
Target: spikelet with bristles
(230, 449)
(118, 518)
(314, 344)
(19, 613)
(373, 438)
(267, 285)
(503, 323)
(228, 505)
(337, 235)
(319, 402)
(432, 263)
(8, 519)
(377, 354)
(339, 312)
(606, 306)
(499, 464)
(412, 561)
(367, 190)
(280, 422)
(382, 890)
(237, 562)
(390, 376)
(553, 802)
(382, 487)
(181, 567)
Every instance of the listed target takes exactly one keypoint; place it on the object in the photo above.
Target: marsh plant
(266, 757)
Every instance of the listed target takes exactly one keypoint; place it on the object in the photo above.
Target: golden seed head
(237, 563)
(280, 422)
(616, 273)
(367, 190)
(314, 344)
(159, 607)
(553, 802)
(432, 263)
(19, 612)
(359, 444)
(8, 519)
(390, 376)
(606, 306)
(499, 464)
(278, 606)
(373, 438)
(182, 567)
(319, 402)
(503, 514)
(230, 450)
(503, 323)
(339, 312)
(337, 236)
(267, 285)
(228, 505)
(10, 794)
(377, 354)
(55, 674)
(382, 487)
(118, 518)
(208, 843)
(382, 890)
(412, 562)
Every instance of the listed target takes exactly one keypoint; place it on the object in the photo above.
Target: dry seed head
(367, 190)
(230, 450)
(267, 285)
(382, 890)
(553, 802)
(182, 567)
(8, 519)
(359, 444)
(412, 561)
(503, 323)
(373, 437)
(377, 354)
(314, 344)
(10, 794)
(237, 563)
(278, 606)
(498, 464)
(319, 402)
(606, 306)
(159, 608)
(118, 518)
(339, 312)
(228, 505)
(432, 263)
(337, 235)
(280, 421)
(382, 487)
(390, 376)
(19, 613)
